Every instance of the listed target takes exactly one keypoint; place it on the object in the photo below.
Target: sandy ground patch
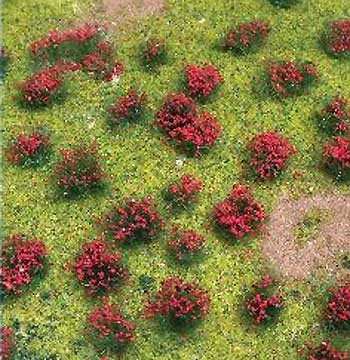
(321, 251)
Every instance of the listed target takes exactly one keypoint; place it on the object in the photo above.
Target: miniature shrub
(135, 221)
(246, 37)
(179, 302)
(263, 304)
(239, 214)
(336, 157)
(290, 78)
(128, 107)
(29, 150)
(98, 268)
(269, 153)
(22, 259)
(79, 170)
(185, 244)
(108, 328)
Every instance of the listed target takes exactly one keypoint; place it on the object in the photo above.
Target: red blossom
(289, 78)
(261, 305)
(336, 156)
(269, 154)
(76, 38)
(185, 244)
(6, 343)
(201, 81)
(324, 351)
(179, 301)
(184, 191)
(98, 268)
(109, 329)
(337, 37)
(338, 307)
(128, 107)
(335, 116)
(21, 260)
(79, 170)
(43, 86)
(28, 149)
(246, 36)
(136, 220)
(239, 214)
(154, 52)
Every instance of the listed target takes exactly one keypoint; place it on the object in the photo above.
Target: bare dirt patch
(321, 251)
(133, 8)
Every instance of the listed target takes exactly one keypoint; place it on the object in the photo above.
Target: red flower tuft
(154, 52)
(289, 78)
(184, 191)
(337, 37)
(335, 116)
(239, 214)
(336, 157)
(338, 307)
(178, 301)
(109, 329)
(44, 86)
(134, 221)
(269, 154)
(79, 170)
(201, 81)
(98, 268)
(28, 149)
(185, 244)
(22, 259)
(261, 305)
(7, 343)
(324, 351)
(246, 36)
(128, 107)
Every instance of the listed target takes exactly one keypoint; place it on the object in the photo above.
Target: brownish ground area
(322, 251)
(133, 7)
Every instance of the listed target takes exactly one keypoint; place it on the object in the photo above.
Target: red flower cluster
(336, 156)
(338, 307)
(184, 191)
(128, 107)
(185, 244)
(261, 306)
(79, 170)
(28, 149)
(335, 117)
(239, 213)
(100, 64)
(177, 111)
(246, 36)
(46, 85)
(324, 351)
(180, 302)
(154, 52)
(269, 154)
(201, 81)
(289, 78)
(179, 120)
(109, 328)
(98, 268)
(6, 343)
(21, 260)
(62, 44)
(135, 221)
(337, 37)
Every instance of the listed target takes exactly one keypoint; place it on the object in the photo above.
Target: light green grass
(140, 164)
